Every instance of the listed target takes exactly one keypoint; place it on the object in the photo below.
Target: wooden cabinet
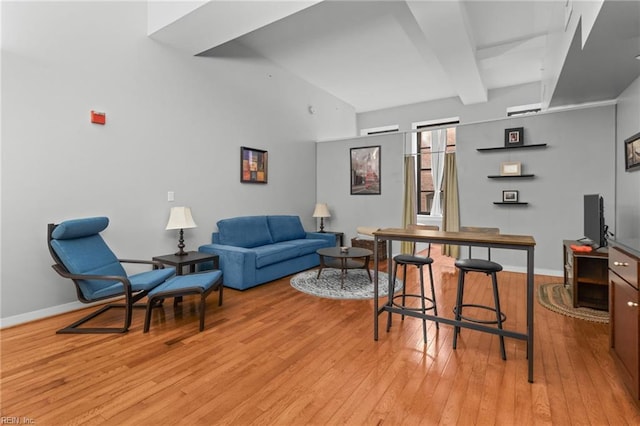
(587, 275)
(624, 275)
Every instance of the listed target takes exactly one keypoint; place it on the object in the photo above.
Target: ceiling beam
(444, 24)
(205, 25)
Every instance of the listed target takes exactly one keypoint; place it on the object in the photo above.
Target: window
(524, 109)
(432, 144)
(378, 130)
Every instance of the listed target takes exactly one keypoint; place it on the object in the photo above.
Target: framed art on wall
(514, 137)
(365, 170)
(253, 165)
(632, 153)
(510, 196)
(510, 168)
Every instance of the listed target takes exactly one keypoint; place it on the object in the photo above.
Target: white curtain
(438, 148)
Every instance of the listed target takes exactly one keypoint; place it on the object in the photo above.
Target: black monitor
(594, 227)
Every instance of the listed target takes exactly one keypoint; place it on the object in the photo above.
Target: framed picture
(632, 153)
(510, 196)
(510, 168)
(365, 170)
(253, 165)
(514, 137)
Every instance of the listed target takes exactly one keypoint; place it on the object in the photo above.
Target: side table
(191, 259)
(339, 236)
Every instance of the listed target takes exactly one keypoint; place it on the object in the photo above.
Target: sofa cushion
(285, 228)
(245, 231)
(307, 246)
(274, 253)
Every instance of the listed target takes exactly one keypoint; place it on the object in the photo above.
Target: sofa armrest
(237, 263)
(330, 238)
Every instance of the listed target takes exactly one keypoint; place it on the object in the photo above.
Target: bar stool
(419, 262)
(489, 268)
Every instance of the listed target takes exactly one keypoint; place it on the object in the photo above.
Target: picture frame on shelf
(253, 165)
(514, 137)
(511, 168)
(632, 153)
(510, 196)
(365, 170)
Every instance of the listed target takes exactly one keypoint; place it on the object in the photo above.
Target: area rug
(356, 284)
(558, 298)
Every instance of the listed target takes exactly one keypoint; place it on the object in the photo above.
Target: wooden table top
(455, 237)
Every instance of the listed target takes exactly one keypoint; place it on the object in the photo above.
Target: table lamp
(321, 211)
(180, 218)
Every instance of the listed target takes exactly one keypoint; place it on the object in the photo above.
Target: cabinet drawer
(625, 265)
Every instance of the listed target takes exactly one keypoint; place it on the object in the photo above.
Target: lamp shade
(321, 210)
(180, 218)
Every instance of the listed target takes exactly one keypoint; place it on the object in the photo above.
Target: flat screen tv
(594, 227)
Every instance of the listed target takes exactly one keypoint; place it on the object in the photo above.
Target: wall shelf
(509, 176)
(496, 148)
(504, 203)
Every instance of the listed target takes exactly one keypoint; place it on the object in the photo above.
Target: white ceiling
(379, 54)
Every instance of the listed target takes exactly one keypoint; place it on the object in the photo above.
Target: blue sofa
(256, 249)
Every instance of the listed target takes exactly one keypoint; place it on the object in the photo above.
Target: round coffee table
(354, 258)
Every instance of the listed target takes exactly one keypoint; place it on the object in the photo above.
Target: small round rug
(558, 298)
(356, 284)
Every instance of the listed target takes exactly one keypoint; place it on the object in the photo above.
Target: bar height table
(475, 239)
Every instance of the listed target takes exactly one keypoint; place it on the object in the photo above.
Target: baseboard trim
(75, 306)
(44, 313)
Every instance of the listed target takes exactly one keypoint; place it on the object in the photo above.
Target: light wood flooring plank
(272, 355)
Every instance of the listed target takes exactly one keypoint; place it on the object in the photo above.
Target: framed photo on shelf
(632, 153)
(253, 165)
(514, 136)
(510, 196)
(365, 170)
(511, 168)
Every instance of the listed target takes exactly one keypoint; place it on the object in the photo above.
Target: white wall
(174, 123)
(627, 224)
(495, 107)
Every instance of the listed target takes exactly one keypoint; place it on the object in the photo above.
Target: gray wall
(174, 123)
(627, 224)
(333, 185)
(578, 160)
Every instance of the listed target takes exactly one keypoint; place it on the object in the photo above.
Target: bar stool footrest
(429, 307)
(479, 321)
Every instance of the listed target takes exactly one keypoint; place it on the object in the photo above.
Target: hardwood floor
(273, 355)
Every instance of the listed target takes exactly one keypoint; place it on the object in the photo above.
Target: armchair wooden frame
(130, 297)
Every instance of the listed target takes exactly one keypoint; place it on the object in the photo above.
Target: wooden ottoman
(201, 283)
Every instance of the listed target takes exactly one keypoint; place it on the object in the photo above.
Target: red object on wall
(98, 117)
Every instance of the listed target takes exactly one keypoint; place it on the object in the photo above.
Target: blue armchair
(82, 255)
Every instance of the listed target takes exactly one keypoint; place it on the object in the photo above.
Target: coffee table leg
(366, 266)
(321, 265)
(343, 271)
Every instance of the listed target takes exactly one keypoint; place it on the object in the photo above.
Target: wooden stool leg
(458, 308)
(496, 298)
(433, 296)
(424, 310)
(404, 287)
(392, 285)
